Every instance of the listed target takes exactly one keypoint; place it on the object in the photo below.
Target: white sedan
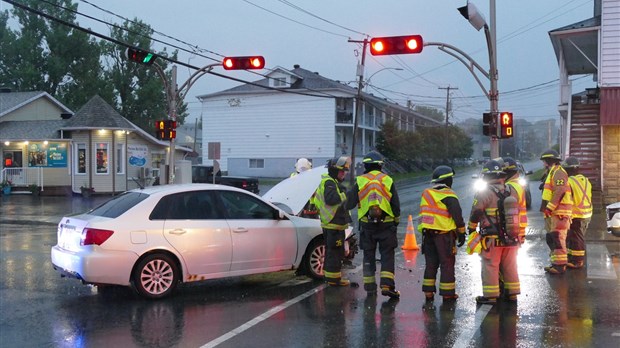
(154, 238)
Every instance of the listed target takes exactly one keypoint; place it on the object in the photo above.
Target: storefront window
(80, 161)
(102, 158)
(120, 159)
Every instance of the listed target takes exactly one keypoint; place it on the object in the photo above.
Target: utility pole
(358, 106)
(447, 114)
(172, 114)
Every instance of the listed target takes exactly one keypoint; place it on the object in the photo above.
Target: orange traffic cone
(410, 242)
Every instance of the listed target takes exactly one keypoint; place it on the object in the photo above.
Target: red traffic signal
(506, 125)
(165, 129)
(140, 56)
(243, 63)
(396, 45)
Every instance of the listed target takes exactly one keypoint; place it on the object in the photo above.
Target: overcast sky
(315, 33)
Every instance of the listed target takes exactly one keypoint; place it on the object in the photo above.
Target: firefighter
(512, 179)
(441, 224)
(581, 189)
(301, 166)
(378, 212)
(557, 207)
(330, 198)
(499, 249)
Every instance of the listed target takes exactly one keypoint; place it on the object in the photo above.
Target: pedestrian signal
(506, 125)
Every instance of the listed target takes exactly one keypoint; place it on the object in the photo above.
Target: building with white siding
(263, 127)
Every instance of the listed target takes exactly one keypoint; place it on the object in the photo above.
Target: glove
(547, 212)
(461, 238)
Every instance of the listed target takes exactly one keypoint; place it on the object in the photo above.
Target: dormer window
(279, 82)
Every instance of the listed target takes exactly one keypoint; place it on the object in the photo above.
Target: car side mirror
(279, 215)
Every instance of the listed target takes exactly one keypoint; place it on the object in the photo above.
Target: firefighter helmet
(302, 165)
(340, 163)
(550, 154)
(441, 173)
(492, 167)
(509, 164)
(373, 157)
(571, 162)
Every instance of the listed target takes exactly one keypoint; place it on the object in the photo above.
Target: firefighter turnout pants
(334, 254)
(439, 251)
(557, 228)
(498, 260)
(575, 240)
(382, 234)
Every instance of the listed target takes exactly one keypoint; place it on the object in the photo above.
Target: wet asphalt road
(39, 309)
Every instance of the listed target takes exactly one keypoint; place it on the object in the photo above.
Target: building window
(257, 163)
(101, 155)
(80, 159)
(279, 82)
(120, 159)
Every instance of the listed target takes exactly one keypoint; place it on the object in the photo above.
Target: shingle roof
(31, 130)
(97, 113)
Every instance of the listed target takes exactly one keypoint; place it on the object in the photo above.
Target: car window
(118, 205)
(239, 205)
(194, 205)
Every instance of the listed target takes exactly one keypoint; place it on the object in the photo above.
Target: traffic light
(165, 129)
(243, 63)
(140, 56)
(505, 125)
(380, 46)
(489, 126)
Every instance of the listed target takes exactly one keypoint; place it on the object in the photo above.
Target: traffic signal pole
(172, 114)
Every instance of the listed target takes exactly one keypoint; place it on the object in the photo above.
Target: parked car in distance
(152, 239)
(613, 218)
(479, 184)
(204, 175)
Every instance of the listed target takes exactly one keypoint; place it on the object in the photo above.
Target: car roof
(166, 189)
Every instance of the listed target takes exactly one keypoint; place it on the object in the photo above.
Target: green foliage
(44, 55)
(430, 112)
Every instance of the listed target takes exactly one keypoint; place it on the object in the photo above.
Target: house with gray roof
(262, 128)
(43, 143)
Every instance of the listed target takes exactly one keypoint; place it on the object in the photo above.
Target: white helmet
(302, 165)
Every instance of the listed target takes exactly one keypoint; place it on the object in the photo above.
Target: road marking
(263, 316)
(599, 264)
(468, 333)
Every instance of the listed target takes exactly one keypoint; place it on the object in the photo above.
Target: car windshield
(118, 205)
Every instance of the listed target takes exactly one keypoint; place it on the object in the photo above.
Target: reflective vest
(375, 189)
(565, 206)
(582, 196)
(434, 214)
(327, 212)
(514, 183)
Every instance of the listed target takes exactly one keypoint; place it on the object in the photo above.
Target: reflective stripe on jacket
(328, 212)
(434, 214)
(374, 189)
(557, 192)
(582, 196)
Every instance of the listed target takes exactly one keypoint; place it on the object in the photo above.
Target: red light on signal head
(396, 45)
(243, 63)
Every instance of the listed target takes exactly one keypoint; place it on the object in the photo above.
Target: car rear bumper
(94, 267)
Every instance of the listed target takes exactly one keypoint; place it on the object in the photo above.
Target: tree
(431, 112)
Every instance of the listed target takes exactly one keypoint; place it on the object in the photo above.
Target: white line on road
(468, 333)
(263, 316)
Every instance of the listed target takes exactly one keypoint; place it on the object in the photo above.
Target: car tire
(314, 259)
(528, 199)
(155, 276)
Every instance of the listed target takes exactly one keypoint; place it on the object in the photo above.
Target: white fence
(23, 176)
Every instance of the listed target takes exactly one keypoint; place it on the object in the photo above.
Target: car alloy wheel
(156, 276)
(314, 259)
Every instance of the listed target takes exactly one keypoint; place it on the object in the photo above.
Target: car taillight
(244, 184)
(95, 236)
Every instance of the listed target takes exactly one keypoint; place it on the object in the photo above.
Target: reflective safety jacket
(375, 190)
(581, 189)
(516, 186)
(329, 199)
(434, 214)
(557, 192)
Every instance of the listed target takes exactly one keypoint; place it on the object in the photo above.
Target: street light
(378, 71)
(471, 13)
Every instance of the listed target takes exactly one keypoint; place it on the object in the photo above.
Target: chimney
(296, 66)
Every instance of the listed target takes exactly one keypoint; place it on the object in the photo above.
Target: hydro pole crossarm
(471, 64)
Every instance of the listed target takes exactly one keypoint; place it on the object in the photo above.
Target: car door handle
(177, 232)
(240, 230)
